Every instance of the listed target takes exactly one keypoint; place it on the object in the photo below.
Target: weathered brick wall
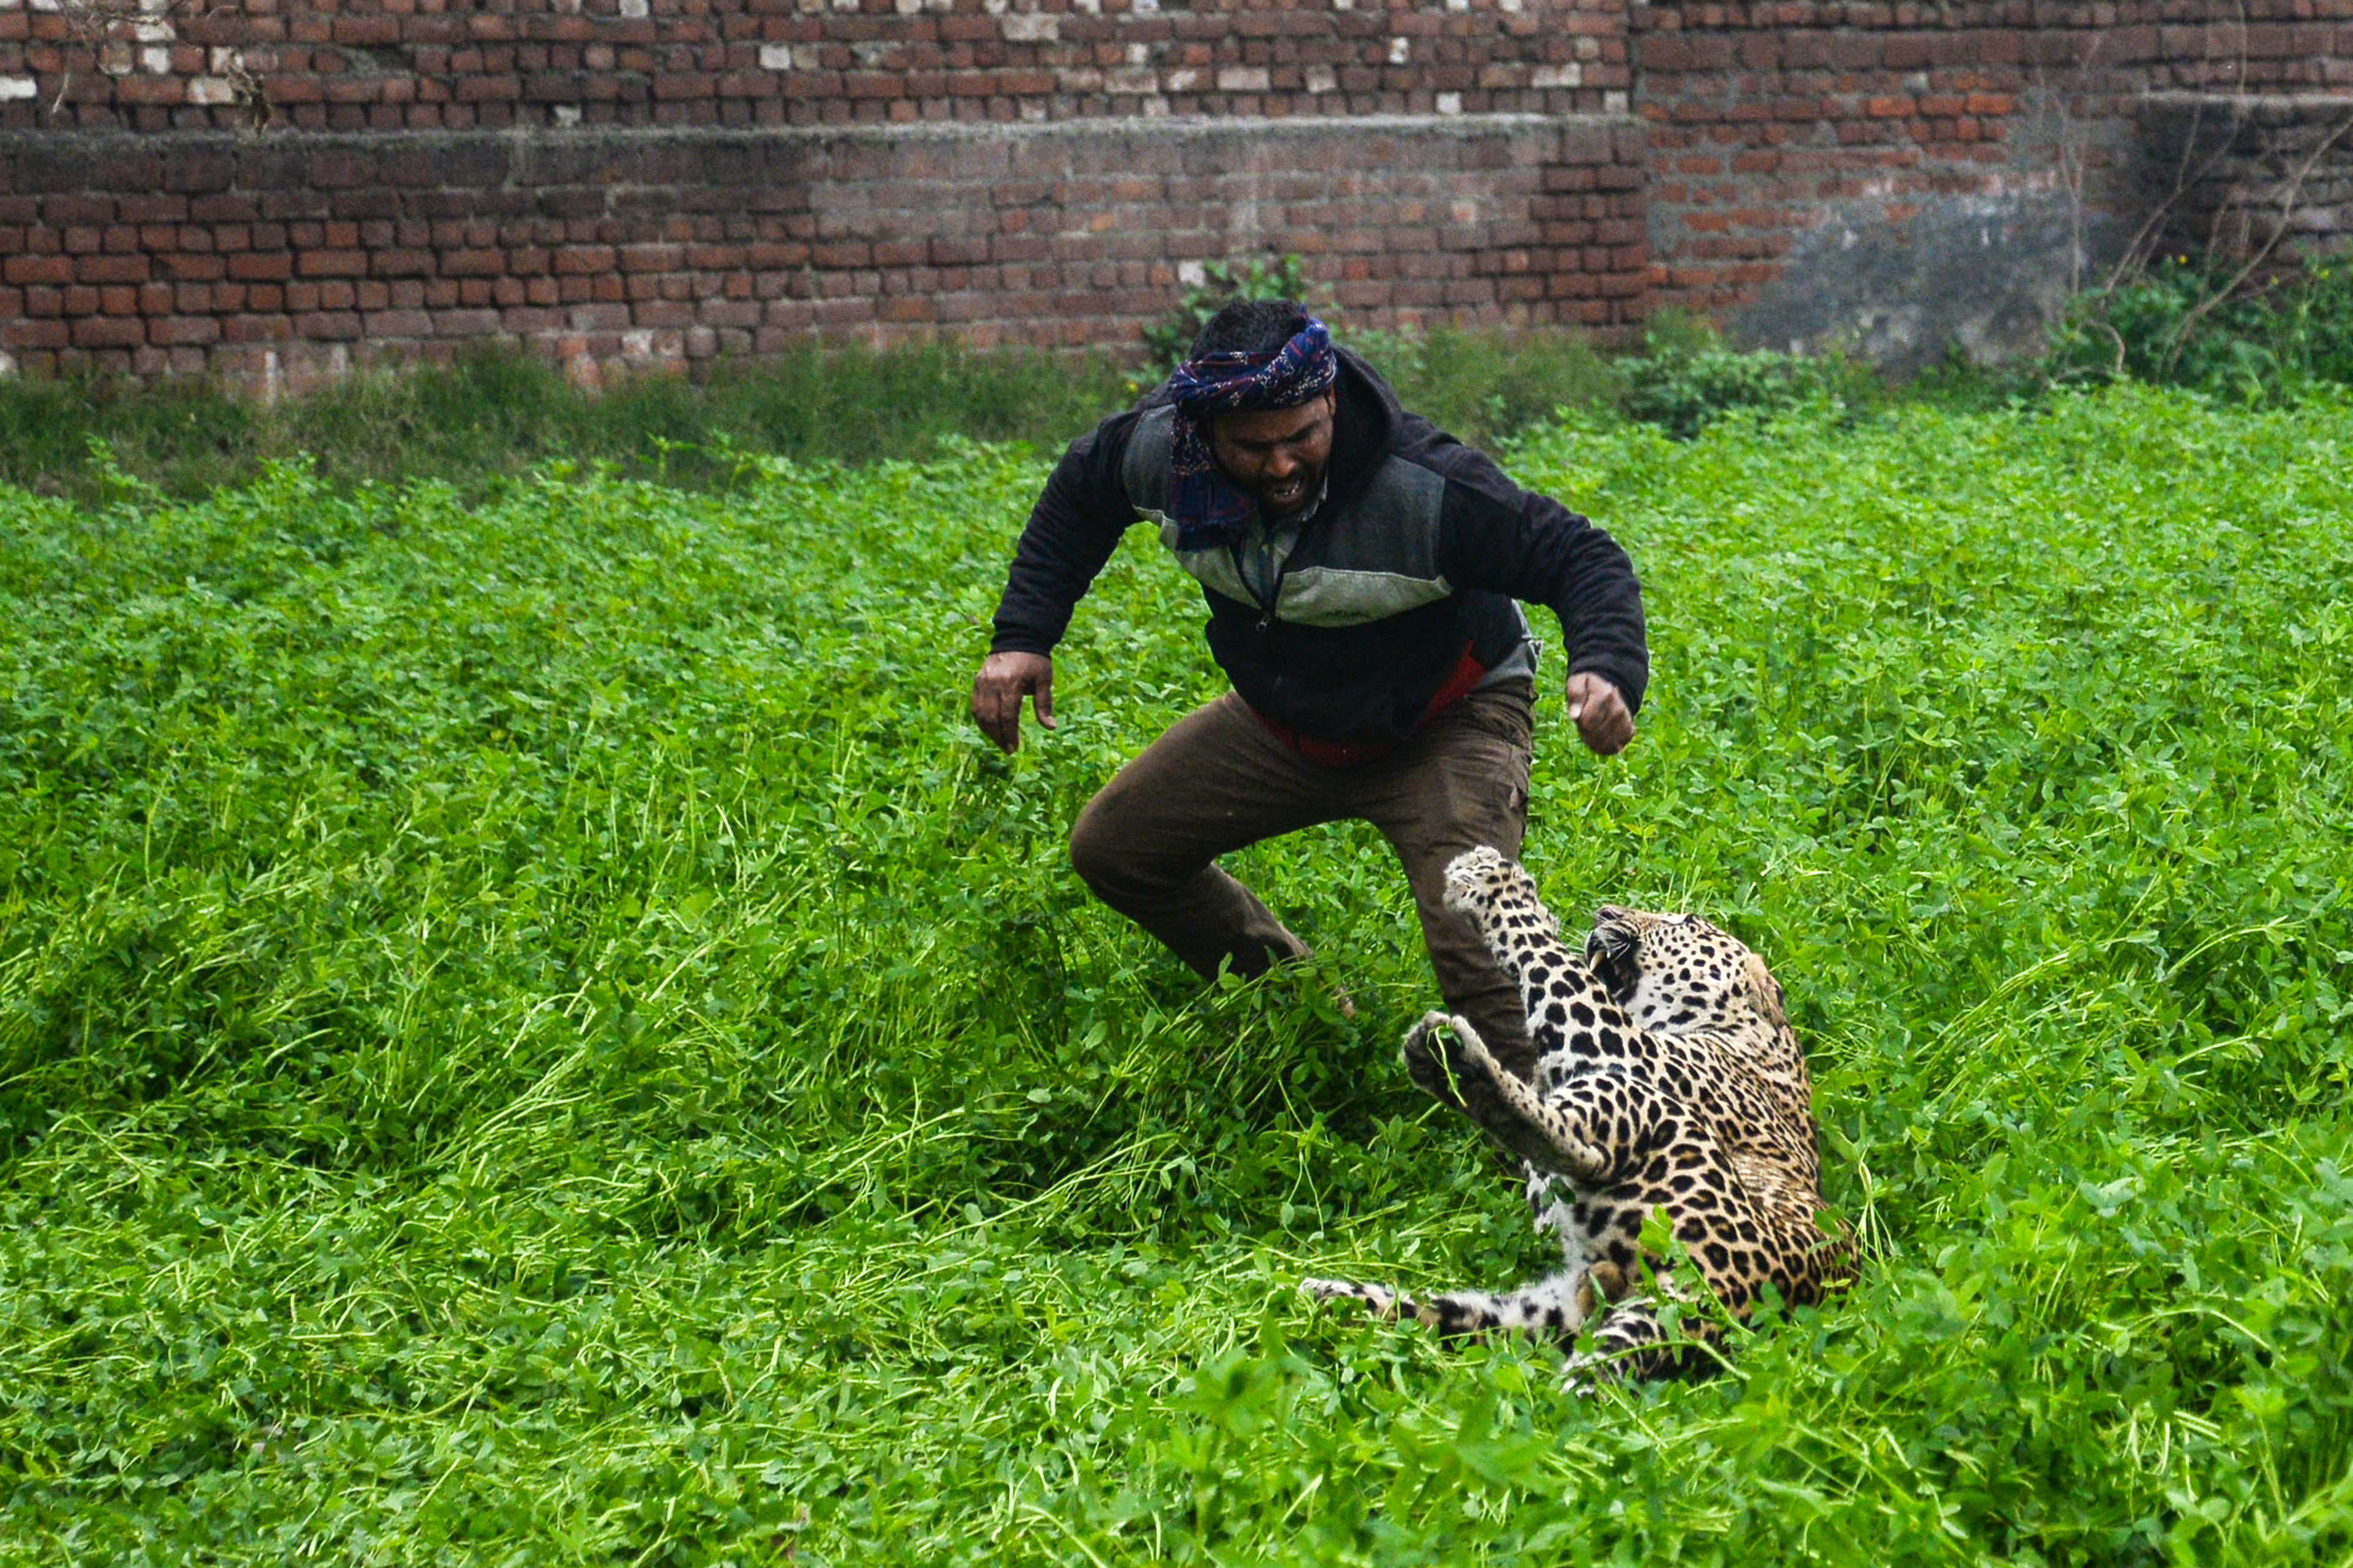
(1893, 177)
(269, 188)
(2258, 177)
(349, 65)
(277, 259)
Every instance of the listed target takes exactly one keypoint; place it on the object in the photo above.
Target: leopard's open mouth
(1614, 950)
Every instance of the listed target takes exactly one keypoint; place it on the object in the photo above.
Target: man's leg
(1462, 781)
(1147, 844)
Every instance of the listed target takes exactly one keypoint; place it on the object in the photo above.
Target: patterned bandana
(1206, 506)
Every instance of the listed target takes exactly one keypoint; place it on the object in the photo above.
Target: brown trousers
(1219, 779)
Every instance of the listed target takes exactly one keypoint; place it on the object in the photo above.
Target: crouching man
(1361, 568)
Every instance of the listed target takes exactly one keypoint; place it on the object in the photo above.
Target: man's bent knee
(1103, 854)
(1094, 850)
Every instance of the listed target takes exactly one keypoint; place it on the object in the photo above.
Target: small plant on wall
(1219, 284)
(119, 39)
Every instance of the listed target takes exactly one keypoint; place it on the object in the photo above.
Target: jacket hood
(1367, 416)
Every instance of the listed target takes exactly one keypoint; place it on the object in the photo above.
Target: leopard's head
(1674, 973)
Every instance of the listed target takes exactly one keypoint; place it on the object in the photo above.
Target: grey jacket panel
(1335, 596)
(1374, 556)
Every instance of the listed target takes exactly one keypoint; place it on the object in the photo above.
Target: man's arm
(1072, 531)
(1498, 537)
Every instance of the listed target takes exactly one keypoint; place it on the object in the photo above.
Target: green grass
(535, 1032)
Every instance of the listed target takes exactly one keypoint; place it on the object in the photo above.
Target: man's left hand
(1600, 713)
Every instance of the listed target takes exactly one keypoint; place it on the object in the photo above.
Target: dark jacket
(1407, 570)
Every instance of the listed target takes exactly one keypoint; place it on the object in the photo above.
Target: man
(1360, 567)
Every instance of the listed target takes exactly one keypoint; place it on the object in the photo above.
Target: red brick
(183, 330)
(334, 263)
(19, 270)
(400, 261)
(398, 324)
(1741, 106)
(259, 266)
(104, 269)
(576, 259)
(109, 332)
(328, 326)
(472, 263)
(35, 334)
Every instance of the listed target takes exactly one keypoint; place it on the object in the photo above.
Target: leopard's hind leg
(1552, 1308)
(1631, 1344)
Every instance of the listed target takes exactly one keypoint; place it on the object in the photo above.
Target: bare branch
(2289, 195)
(2134, 257)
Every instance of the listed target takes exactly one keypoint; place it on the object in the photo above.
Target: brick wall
(349, 65)
(2250, 177)
(275, 189)
(277, 259)
(1896, 176)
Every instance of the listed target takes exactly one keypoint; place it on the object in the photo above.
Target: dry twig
(99, 27)
(2288, 198)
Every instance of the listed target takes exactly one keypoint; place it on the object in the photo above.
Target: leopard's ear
(1767, 991)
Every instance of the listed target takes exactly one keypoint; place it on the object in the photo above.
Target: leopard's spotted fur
(1667, 1075)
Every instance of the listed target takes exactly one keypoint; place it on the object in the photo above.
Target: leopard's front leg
(1461, 1072)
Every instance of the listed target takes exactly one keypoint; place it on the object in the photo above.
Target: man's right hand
(997, 693)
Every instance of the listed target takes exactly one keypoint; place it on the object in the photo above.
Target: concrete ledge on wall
(278, 260)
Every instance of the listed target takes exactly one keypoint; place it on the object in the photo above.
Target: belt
(1467, 674)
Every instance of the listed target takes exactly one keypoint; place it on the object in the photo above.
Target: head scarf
(1206, 506)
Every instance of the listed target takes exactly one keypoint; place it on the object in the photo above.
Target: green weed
(1168, 340)
(535, 1031)
(2181, 323)
(1486, 385)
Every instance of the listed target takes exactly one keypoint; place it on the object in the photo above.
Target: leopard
(1668, 1077)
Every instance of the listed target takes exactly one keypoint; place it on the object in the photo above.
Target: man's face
(1277, 455)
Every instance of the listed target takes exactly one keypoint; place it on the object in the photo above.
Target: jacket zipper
(1266, 606)
(1266, 609)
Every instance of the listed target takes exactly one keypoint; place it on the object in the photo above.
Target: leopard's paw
(1472, 1056)
(1446, 1059)
(1588, 1373)
(1423, 1063)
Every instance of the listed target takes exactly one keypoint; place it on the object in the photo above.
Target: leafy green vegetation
(1486, 387)
(2187, 320)
(487, 422)
(535, 1031)
(1168, 340)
